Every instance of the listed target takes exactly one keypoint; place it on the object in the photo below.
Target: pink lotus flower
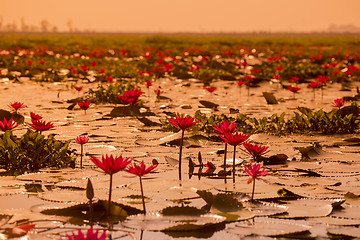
(141, 170)
(338, 102)
(81, 140)
(323, 79)
(40, 126)
(182, 122)
(7, 125)
(111, 165)
(90, 235)
(294, 79)
(255, 150)
(315, 85)
(240, 83)
(276, 76)
(17, 105)
(293, 90)
(35, 116)
(254, 172)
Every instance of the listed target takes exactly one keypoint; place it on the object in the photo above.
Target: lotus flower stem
(81, 154)
(225, 155)
(109, 204)
(180, 153)
(142, 195)
(253, 190)
(234, 164)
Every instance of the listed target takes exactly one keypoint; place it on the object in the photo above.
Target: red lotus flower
(158, 92)
(182, 122)
(35, 116)
(293, 89)
(84, 105)
(90, 235)
(210, 89)
(279, 68)
(315, 85)
(93, 64)
(42, 62)
(254, 172)
(323, 79)
(111, 164)
(101, 70)
(235, 139)
(84, 68)
(248, 78)
(140, 170)
(240, 83)
(82, 139)
(17, 105)
(19, 231)
(40, 126)
(78, 88)
(148, 83)
(255, 150)
(131, 96)
(294, 79)
(7, 125)
(276, 76)
(225, 127)
(338, 102)
(255, 70)
(109, 79)
(29, 62)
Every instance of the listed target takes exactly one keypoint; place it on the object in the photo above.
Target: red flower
(84, 68)
(339, 102)
(110, 164)
(254, 172)
(315, 85)
(276, 76)
(131, 96)
(225, 127)
(84, 105)
(148, 83)
(240, 83)
(109, 79)
(323, 79)
(7, 125)
(255, 70)
(17, 105)
(158, 92)
(90, 235)
(293, 89)
(279, 69)
(78, 88)
(35, 116)
(93, 64)
(235, 139)
(82, 139)
(294, 79)
(101, 70)
(29, 62)
(42, 62)
(183, 122)
(140, 170)
(210, 89)
(40, 126)
(255, 150)
(248, 78)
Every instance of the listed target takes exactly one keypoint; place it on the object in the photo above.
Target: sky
(184, 15)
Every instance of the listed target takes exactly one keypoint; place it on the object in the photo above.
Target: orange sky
(185, 15)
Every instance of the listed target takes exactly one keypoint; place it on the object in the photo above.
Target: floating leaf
(345, 231)
(159, 222)
(304, 208)
(264, 208)
(270, 98)
(268, 227)
(208, 104)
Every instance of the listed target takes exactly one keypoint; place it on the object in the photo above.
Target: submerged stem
(234, 164)
(81, 154)
(253, 189)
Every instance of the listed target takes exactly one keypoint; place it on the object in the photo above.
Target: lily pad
(345, 231)
(158, 222)
(268, 227)
(305, 208)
